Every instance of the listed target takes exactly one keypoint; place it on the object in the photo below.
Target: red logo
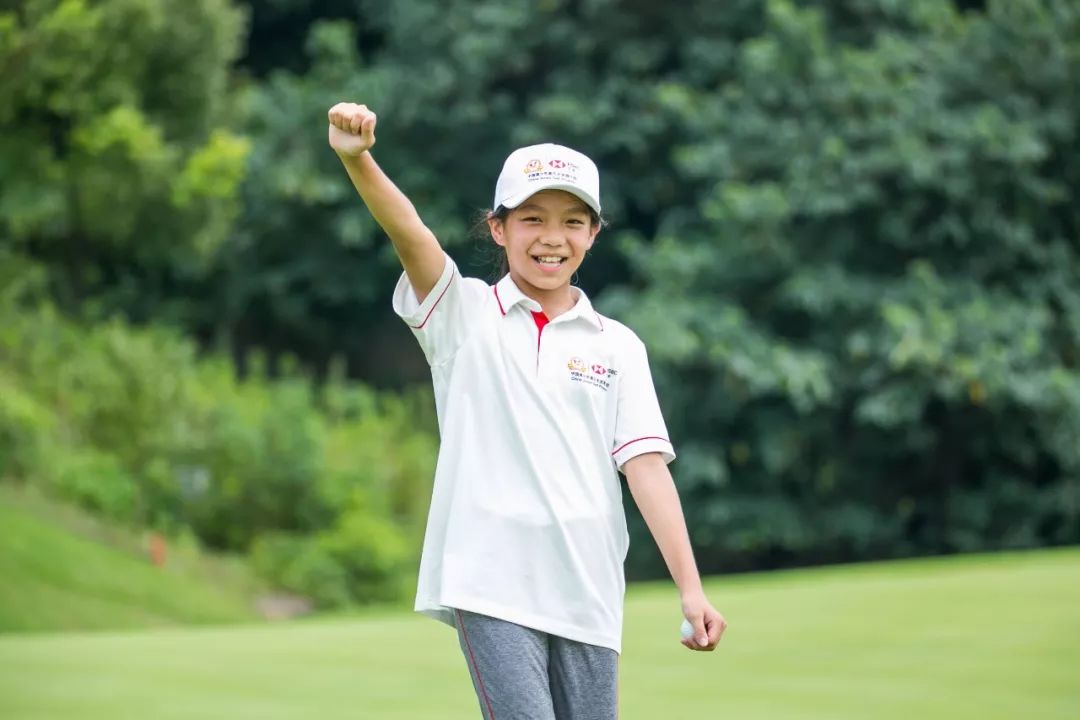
(557, 164)
(599, 369)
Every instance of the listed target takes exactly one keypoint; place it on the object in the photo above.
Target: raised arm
(352, 134)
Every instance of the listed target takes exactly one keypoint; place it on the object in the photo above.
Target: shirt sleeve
(443, 321)
(639, 423)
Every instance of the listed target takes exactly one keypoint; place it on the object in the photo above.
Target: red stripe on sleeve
(651, 437)
(421, 325)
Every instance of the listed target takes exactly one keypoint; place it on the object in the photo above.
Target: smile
(548, 263)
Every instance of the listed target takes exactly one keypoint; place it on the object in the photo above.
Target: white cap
(531, 169)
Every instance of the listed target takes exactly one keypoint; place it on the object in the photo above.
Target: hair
(496, 254)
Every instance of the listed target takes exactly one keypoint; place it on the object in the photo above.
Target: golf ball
(687, 629)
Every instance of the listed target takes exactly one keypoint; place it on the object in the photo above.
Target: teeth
(550, 259)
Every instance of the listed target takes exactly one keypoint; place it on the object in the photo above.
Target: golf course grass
(986, 637)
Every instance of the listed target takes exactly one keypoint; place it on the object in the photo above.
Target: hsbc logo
(595, 374)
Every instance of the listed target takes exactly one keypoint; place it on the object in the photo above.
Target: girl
(541, 402)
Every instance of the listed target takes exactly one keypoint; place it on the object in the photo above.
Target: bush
(364, 558)
(93, 480)
(300, 564)
(261, 452)
(133, 424)
(25, 427)
(374, 553)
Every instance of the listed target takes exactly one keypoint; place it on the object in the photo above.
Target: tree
(868, 318)
(457, 85)
(830, 218)
(120, 169)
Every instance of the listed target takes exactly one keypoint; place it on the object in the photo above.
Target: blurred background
(847, 230)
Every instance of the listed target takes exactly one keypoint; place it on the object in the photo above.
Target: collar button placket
(541, 321)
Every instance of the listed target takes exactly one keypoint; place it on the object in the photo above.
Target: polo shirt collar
(508, 294)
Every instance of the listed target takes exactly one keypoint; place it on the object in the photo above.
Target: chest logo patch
(594, 374)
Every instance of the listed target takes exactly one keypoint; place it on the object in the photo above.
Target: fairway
(986, 637)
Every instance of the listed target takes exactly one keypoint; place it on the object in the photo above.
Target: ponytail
(495, 254)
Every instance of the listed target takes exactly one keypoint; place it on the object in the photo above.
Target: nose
(551, 239)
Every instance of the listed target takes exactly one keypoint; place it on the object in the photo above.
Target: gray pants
(524, 674)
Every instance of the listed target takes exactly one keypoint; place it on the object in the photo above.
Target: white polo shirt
(526, 521)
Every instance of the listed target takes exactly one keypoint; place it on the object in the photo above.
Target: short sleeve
(443, 321)
(639, 423)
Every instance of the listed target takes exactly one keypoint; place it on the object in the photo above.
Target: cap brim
(514, 200)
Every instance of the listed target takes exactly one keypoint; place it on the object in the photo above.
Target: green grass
(61, 569)
(981, 637)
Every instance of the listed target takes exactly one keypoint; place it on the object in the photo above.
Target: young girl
(541, 402)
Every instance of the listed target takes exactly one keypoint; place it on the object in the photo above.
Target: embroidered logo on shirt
(593, 374)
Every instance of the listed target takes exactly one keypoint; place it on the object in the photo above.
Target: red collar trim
(502, 309)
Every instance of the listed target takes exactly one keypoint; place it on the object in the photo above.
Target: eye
(531, 218)
(575, 221)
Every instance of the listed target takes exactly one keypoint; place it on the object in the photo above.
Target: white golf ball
(687, 629)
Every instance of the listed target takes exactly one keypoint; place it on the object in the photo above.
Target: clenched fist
(352, 129)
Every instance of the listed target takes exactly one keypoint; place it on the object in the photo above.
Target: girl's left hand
(708, 623)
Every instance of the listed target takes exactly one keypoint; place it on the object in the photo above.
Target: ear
(593, 232)
(497, 229)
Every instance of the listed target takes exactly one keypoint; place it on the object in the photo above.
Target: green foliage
(364, 557)
(299, 563)
(845, 228)
(457, 85)
(133, 425)
(259, 461)
(93, 479)
(120, 168)
(874, 292)
(24, 427)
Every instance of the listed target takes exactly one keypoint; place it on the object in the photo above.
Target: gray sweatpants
(524, 674)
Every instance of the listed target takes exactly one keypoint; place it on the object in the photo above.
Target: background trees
(845, 228)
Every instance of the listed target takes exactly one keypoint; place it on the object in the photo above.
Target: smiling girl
(541, 403)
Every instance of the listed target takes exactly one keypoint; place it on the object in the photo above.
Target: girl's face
(546, 238)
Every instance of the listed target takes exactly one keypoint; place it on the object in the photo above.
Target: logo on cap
(534, 166)
(557, 163)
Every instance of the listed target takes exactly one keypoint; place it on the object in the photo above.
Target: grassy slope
(61, 570)
(986, 637)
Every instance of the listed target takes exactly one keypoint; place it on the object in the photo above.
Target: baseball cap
(531, 169)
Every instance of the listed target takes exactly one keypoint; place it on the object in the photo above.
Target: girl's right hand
(352, 129)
